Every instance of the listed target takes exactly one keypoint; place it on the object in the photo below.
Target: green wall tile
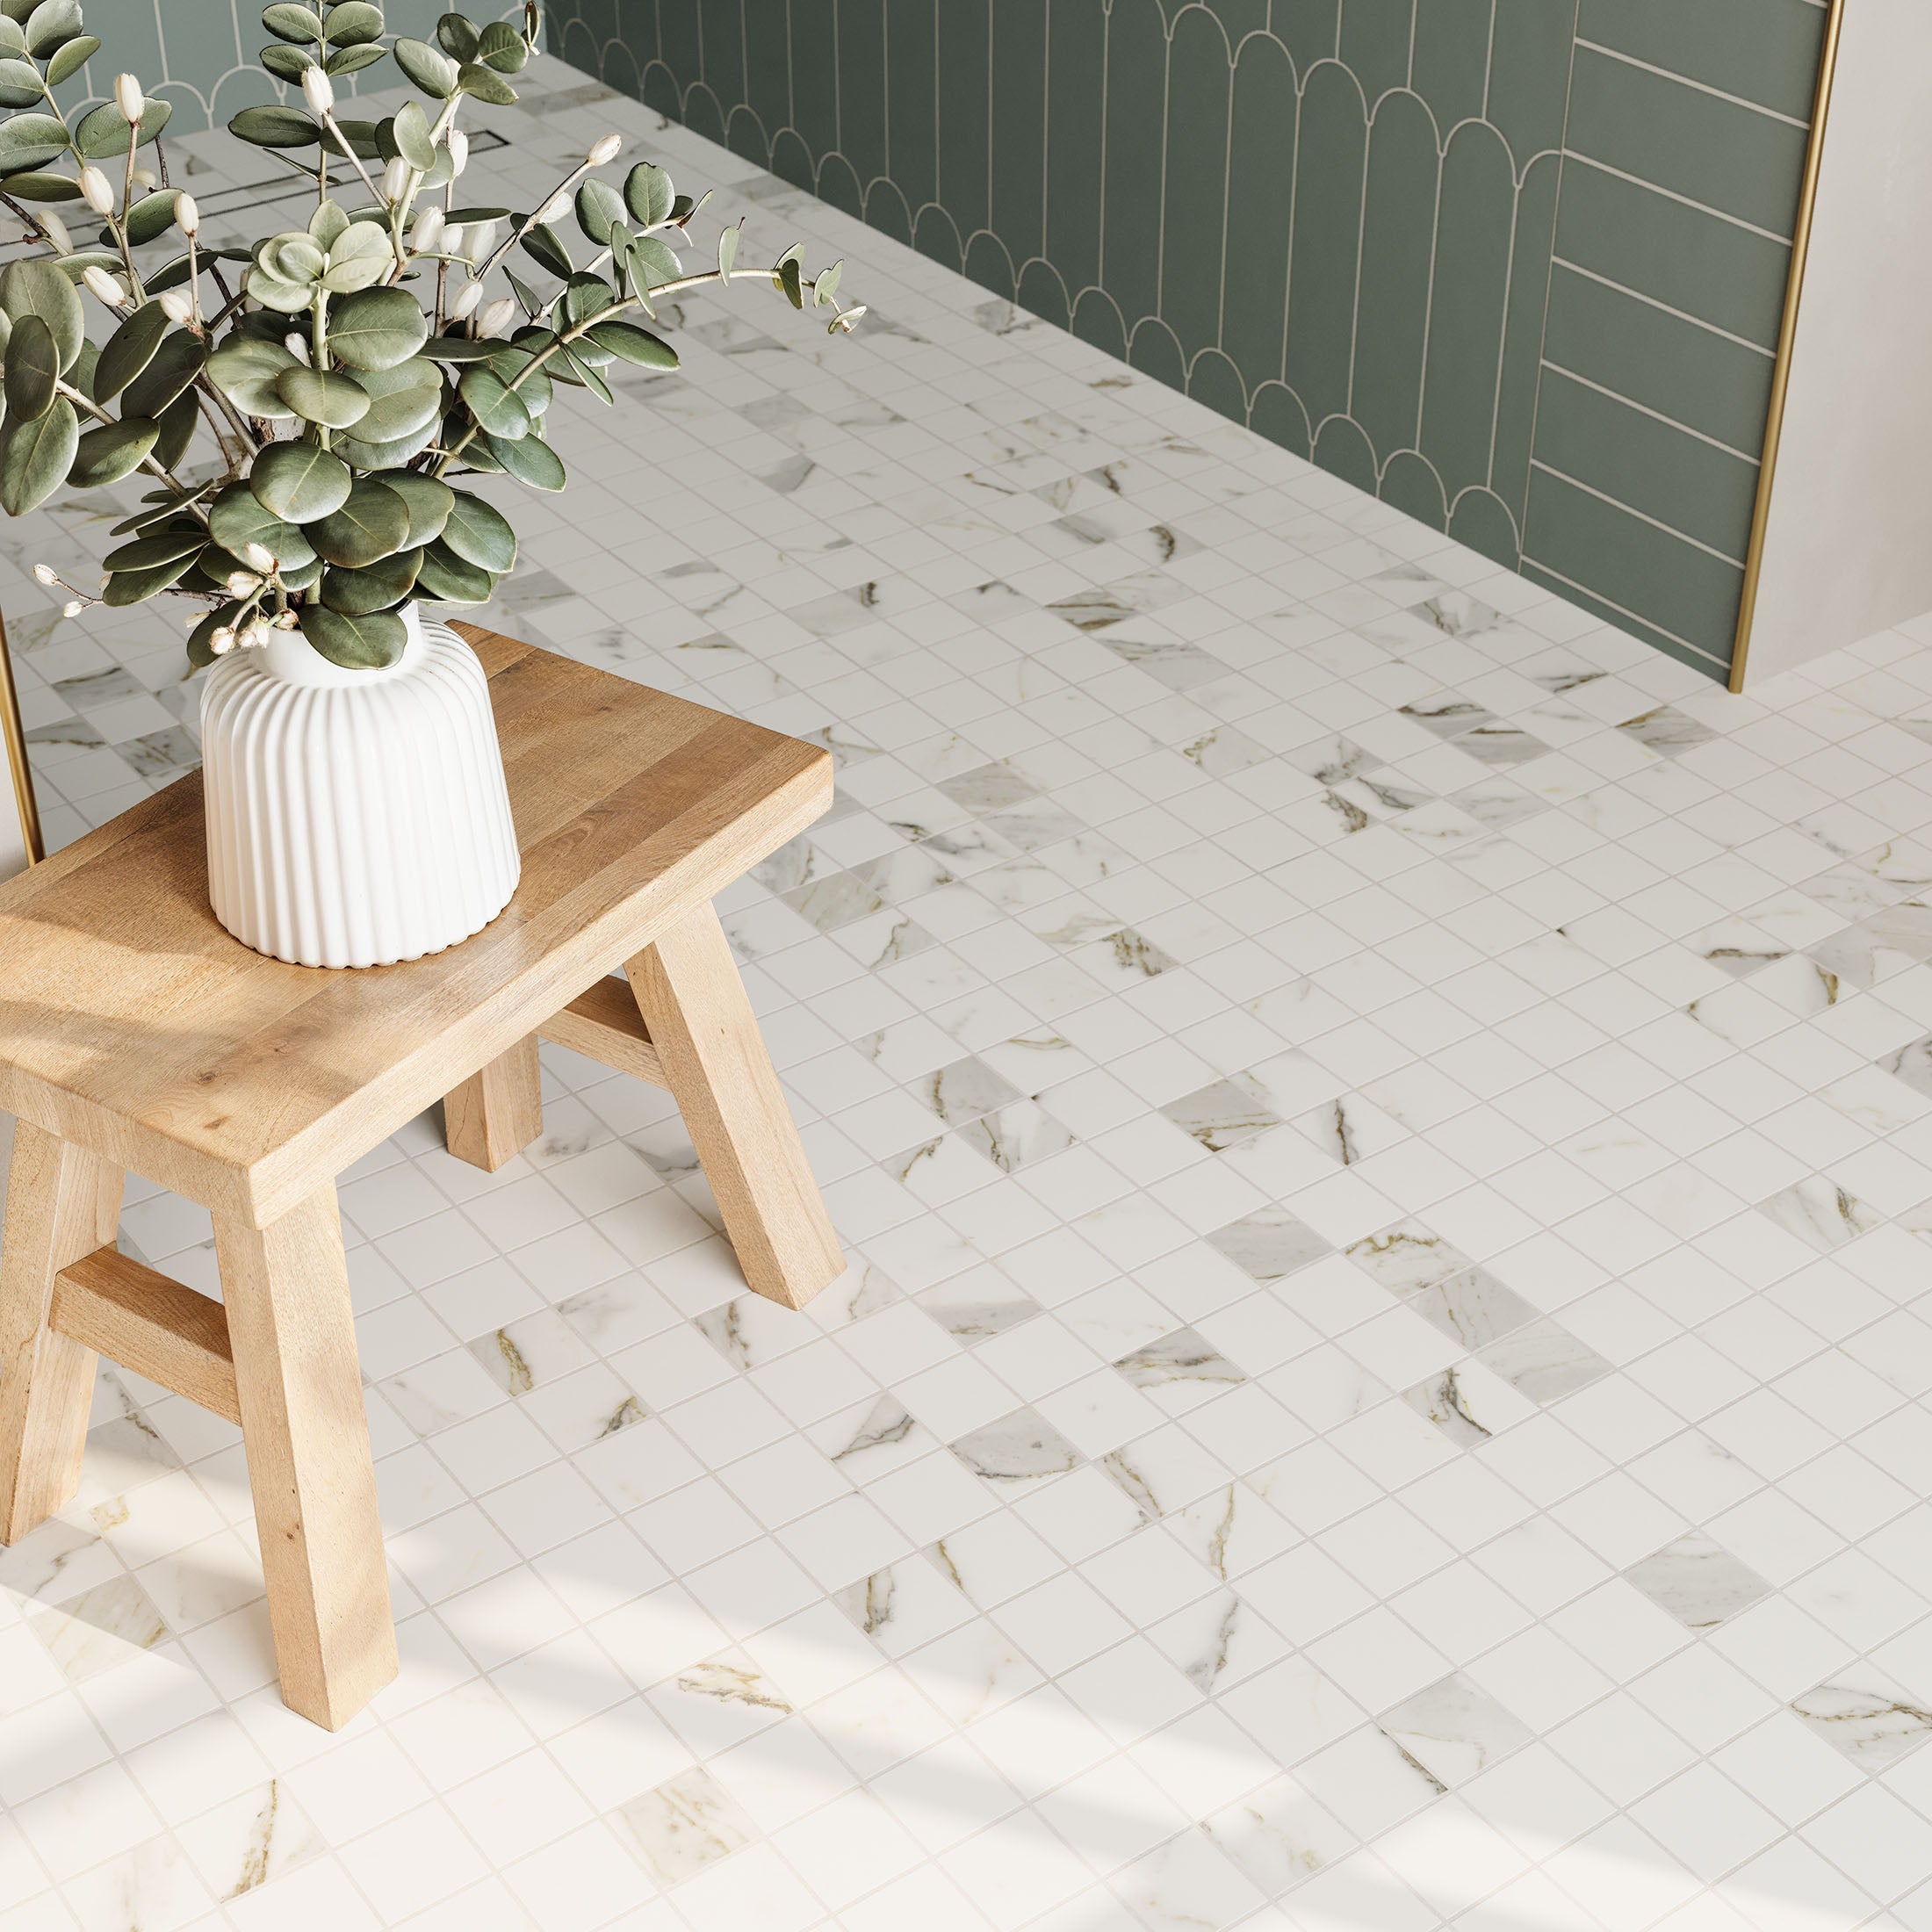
(723, 56)
(1076, 134)
(767, 63)
(1450, 67)
(1523, 333)
(1714, 663)
(911, 98)
(965, 131)
(1688, 373)
(1327, 245)
(1612, 446)
(680, 38)
(1197, 78)
(1739, 161)
(862, 85)
(1765, 51)
(1682, 257)
(1018, 111)
(1397, 264)
(1265, 118)
(1136, 108)
(1374, 43)
(1309, 29)
(1529, 49)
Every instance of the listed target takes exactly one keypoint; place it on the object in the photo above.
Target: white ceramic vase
(355, 818)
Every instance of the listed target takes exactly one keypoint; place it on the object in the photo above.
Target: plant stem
(148, 463)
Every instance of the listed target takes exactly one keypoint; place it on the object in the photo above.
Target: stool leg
(62, 1203)
(293, 1335)
(498, 1112)
(707, 1037)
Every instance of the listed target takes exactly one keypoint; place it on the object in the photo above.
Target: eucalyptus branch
(64, 388)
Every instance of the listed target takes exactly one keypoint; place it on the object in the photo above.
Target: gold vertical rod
(1787, 337)
(14, 732)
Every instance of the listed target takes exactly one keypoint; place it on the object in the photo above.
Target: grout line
(1642, 517)
(1657, 415)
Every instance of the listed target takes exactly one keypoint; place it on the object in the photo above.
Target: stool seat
(136, 1033)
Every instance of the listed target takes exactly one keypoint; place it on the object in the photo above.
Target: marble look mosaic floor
(1385, 1133)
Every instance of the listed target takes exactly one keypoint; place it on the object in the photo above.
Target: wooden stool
(134, 1033)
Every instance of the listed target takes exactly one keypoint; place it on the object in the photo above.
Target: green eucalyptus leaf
(302, 576)
(102, 132)
(52, 24)
(81, 376)
(286, 64)
(502, 46)
(647, 192)
(134, 587)
(457, 37)
(533, 303)
(359, 138)
(567, 367)
(497, 406)
(599, 208)
(286, 22)
(376, 328)
(353, 60)
(788, 279)
(727, 250)
(180, 358)
(585, 296)
(428, 498)
(465, 215)
(402, 400)
(112, 450)
(460, 349)
(164, 547)
(40, 187)
(634, 344)
(36, 286)
(446, 578)
(529, 459)
(411, 131)
(387, 456)
(485, 84)
(276, 128)
(175, 426)
(480, 533)
(237, 519)
(152, 216)
(245, 371)
(129, 350)
(35, 457)
(429, 67)
(13, 39)
(30, 140)
(655, 258)
(71, 58)
(32, 369)
(20, 83)
(539, 241)
(379, 586)
(299, 481)
(201, 637)
(323, 395)
(369, 643)
(826, 285)
(353, 22)
(372, 522)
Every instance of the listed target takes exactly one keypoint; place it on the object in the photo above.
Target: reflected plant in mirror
(306, 408)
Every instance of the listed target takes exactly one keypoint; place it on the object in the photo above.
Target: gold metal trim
(1787, 337)
(13, 732)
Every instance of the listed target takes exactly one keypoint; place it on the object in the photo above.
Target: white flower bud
(73, 607)
(145, 178)
(55, 230)
(427, 236)
(106, 287)
(458, 144)
(455, 241)
(283, 620)
(243, 583)
(605, 148)
(555, 209)
(259, 558)
(395, 179)
(46, 576)
(187, 216)
(481, 237)
(318, 90)
(222, 640)
(466, 298)
(296, 345)
(178, 306)
(256, 633)
(97, 190)
(496, 319)
(127, 97)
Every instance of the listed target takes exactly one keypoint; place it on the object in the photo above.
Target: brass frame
(1787, 338)
(13, 732)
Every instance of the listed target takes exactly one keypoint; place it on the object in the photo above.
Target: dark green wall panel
(1516, 265)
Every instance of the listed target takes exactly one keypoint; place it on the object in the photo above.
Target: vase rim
(289, 658)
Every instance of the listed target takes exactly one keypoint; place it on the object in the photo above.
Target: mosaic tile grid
(1516, 266)
(1382, 1128)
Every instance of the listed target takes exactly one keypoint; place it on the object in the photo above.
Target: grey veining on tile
(1698, 1581)
(1270, 1246)
(1184, 1356)
(1820, 1213)
(1223, 1115)
(99, 1629)
(1544, 1361)
(1020, 1448)
(685, 1824)
(1472, 1308)
(1667, 730)
(1444, 1400)
(964, 1090)
(1015, 1135)
(1872, 1719)
(1453, 1730)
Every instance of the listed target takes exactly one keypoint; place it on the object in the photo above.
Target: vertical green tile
(861, 86)
(1474, 230)
(1275, 412)
(1197, 77)
(1266, 114)
(1341, 449)
(1374, 44)
(1020, 118)
(723, 30)
(965, 134)
(1410, 483)
(1136, 92)
(1480, 519)
(911, 97)
(815, 74)
(767, 64)
(1076, 134)
(1451, 69)
(1215, 380)
(1530, 50)
(681, 39)
(1398, 246)
(1240, 17)
(1309, 29)
(1326, 249)
(1522, 332)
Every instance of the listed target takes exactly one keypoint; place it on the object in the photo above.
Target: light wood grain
(694, 1005)
(151, 1323)
(293, 1335)
(62, 1203)
(495, 1115)
(131, 1022)
(604, 1024)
